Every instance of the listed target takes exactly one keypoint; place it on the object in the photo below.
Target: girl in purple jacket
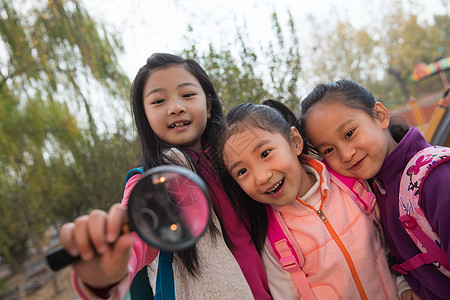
(355, 135)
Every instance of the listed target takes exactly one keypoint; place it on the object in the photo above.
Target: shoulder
(430, 165)
(436, 183)
(435, 190)
(179, 158)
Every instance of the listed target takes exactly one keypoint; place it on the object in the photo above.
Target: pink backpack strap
(356, 188)
(413, 217)
(282, 244)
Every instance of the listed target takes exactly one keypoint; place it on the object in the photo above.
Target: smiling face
(176, 107)
(352, 142)
(266, 165)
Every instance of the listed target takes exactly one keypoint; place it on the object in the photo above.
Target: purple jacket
(426, 281)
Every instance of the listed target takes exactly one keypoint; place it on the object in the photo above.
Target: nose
(346, 153)
(176, 107)
(262, 176)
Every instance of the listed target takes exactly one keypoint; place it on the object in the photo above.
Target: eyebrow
(340, 127)
(179, 86)
(257, 146)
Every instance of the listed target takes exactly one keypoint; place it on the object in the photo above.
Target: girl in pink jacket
(344, 257)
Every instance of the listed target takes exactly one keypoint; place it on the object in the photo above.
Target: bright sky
(149, 26)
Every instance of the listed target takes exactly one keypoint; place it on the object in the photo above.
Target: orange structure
(429, 113)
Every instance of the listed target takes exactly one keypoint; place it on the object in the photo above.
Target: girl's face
(265, 165)
(176, 107)
(353, 143)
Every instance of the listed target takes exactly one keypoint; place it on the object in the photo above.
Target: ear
(208, 108)
(297, 140)
(382, 115)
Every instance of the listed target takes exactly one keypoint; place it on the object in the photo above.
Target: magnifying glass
(168, 208)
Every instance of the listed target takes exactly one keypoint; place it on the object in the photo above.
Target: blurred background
(66, 66)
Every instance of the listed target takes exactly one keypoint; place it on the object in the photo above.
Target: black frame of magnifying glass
(195, 178)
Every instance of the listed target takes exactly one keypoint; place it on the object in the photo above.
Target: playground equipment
(422, 70)
(436, 129)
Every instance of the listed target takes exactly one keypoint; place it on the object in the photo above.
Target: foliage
(406, 43)
(54, 160)
(241, 79)
(380, 56)
(343, 52)
(234, 83)
(64, 149)
(284, 63)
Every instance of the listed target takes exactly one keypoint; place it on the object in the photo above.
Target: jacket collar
(395, 162)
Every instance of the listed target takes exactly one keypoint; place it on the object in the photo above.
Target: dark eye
(241, 172)
(349, 133)
(188, 95)
(327, 151)
(158, 101)
(265, 153)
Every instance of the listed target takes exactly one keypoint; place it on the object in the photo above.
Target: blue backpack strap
(165, 286)
(133, 172)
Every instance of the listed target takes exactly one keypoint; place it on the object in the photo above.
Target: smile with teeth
(176, 125)
(276, 187)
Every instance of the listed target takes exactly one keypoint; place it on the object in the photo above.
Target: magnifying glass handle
(59, 258)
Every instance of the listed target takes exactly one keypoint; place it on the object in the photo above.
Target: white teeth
(275, 188)
(179, 124)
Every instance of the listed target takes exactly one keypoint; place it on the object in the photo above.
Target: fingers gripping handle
(168, 208)
(59, 258)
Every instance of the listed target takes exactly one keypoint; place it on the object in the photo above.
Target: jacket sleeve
(435, 200)
(141, 256)
(281, 283)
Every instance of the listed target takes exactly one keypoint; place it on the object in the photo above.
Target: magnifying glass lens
(169, 208)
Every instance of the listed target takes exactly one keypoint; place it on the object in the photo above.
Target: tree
(284, 62)
(53, 156)
(406, 43)
(239, 78)
(235, 80)
(343, 52)
(381, 55)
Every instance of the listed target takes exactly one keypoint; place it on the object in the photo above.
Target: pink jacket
(142, 255)
(344, 256)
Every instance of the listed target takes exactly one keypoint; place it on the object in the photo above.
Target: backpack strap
(356, 188)
(412, 215)
(133, 172)
(165, 286)
(282, 244)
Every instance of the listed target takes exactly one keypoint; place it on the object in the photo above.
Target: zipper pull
(380, 188)
(322, 216)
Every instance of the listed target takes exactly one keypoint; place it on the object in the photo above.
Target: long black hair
(272, 116)
(154, 149)
(353, 95)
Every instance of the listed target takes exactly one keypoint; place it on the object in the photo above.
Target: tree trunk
(401, 81)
